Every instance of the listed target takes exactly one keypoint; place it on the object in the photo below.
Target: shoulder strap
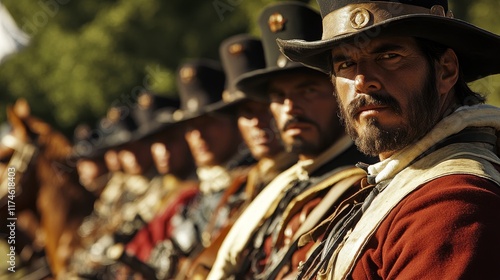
(235, 187)
(454, 159)
(333, 179)
(326, 203)
(314, 218)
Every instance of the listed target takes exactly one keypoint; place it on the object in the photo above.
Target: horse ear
(17, 123)
(22, 108)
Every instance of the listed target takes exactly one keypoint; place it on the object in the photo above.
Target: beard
(376, 139)
(299, 145)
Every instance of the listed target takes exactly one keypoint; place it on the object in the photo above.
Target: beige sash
(454, 159)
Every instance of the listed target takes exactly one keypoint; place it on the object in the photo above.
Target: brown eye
(389, 56)
(344, 65)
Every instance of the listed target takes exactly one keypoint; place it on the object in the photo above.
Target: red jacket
(447, 229)
(159, 228)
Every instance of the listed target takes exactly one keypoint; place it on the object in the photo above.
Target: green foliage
(85, 55)
(485, 14)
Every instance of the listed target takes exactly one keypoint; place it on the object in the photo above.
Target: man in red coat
(400, 71)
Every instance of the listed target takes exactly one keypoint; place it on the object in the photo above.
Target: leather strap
(352, 18)
(326, 203)
(209, 230)
(314, 218)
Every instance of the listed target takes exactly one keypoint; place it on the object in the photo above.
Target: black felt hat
(285, 20)
(200, 84)
(113, 130)
(358, 21)
(239, 54)
(85, 143)
(117, 128)
(123, 124)
(152, 113)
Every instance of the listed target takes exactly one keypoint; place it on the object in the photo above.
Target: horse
(45, 183)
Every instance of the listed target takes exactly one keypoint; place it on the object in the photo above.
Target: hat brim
(143, 132)
(184, 115)
(255, 83)
(231, 106)
(83, 152)
(476, 48)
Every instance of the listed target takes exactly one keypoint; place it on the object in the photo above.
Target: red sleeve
(447, 229)
(159, 228)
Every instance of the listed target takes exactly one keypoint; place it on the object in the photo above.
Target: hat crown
(117, 127)
(240, 54)
(146, 109)
(287, 20)
(328, 6)
(200, 83)
(84, 139)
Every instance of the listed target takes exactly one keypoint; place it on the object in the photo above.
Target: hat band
(352, 18)
(230, 96)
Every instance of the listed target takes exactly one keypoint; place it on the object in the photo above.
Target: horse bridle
(24, 154)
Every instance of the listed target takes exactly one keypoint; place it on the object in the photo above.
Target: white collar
(465, 116)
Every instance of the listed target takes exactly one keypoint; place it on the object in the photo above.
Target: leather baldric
(329, 260)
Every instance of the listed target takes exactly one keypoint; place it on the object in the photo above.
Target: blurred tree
(485, 14)
(86, 55)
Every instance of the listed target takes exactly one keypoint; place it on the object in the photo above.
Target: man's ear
(447, 72)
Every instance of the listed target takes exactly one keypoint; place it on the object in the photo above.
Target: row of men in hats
(244, 123)
(224, 144)
(302, 178)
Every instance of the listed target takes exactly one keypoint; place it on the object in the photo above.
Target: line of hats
(206, 86)
(125, 123)
(357, 21)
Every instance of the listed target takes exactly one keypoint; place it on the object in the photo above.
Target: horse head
(39, 158)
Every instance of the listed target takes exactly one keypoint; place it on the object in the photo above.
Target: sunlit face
(89, 170)
(387, 93)
(135, 158)
(212, 139)
(171, 153)
(112, 161)
(256, 125)
(305, 111)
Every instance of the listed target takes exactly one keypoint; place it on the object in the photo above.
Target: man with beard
(241, 54)
(221, 159)
(400, 70)
(258, 246)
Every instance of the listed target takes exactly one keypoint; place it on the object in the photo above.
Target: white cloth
(12, 38)
(453, 159)
(213, 178)
(465, 116)
(229, 255)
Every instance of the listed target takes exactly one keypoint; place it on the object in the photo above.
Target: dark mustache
(297, 119)
(373, 100)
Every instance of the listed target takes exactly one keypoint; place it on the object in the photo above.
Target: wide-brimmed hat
(239, 54)
(124, 124)
(153, 113)
(285, 20)
(83, 137)
(115, 129)
(200, 84)
(358, 21)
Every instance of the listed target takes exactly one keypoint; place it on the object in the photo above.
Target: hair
(433, 52)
